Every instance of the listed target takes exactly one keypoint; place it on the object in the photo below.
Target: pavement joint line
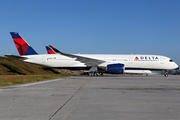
(28, 84)
(66, 102)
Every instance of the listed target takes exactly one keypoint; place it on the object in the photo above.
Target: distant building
(174, 72)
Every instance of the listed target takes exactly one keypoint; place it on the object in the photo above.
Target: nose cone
(176, 66)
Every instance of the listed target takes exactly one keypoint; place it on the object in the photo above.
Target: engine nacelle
(115, 68)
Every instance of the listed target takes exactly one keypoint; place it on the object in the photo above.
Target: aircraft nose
(176, 66)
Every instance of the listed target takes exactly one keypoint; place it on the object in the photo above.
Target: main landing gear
(95, 74)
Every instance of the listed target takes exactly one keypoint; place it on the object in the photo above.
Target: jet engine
(115, 68)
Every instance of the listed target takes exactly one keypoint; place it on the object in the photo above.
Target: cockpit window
(170, 60)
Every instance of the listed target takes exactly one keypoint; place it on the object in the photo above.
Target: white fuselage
(132, 63)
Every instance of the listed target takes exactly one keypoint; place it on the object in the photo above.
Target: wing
(88, 61)
(16, 57)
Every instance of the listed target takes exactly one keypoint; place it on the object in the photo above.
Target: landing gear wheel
(165, 75)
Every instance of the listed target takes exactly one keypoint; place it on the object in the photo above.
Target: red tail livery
(22, 46)
(50, 50)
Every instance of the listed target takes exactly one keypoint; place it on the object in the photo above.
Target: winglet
(56, 50)
(50, 50)
(22, 46)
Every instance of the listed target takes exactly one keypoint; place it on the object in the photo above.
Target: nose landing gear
(166, 73)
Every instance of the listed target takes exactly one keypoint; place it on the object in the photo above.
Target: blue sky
(93, 26)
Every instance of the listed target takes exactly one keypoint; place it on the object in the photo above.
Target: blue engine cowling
(115, 68)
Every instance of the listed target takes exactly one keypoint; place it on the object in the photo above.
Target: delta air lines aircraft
(50, 50)
(94, 64)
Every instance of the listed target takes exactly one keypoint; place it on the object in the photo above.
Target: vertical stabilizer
(50, 50)
(22, 46)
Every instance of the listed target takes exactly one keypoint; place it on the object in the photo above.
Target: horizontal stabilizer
(16, 57)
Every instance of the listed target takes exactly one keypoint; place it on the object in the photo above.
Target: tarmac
(108, 97)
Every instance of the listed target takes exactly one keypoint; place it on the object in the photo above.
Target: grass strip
(9, 80)
(12, 68)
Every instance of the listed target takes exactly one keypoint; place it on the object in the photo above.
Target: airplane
(50, 50)
(138, 70)
(95, 64)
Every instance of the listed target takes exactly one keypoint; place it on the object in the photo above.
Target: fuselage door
(130, 60)
(43, 59)
(162, 60)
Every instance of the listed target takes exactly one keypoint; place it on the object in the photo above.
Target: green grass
(9, 80)
(12, 68)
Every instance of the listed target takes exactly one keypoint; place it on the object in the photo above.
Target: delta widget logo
(146, 58)
(136, 58)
